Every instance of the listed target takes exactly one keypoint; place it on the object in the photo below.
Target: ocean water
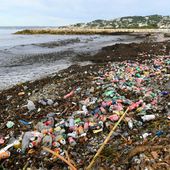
(29, 57)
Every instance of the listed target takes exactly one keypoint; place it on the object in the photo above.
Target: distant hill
(151, 21)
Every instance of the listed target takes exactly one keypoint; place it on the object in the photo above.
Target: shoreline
(59, 84)
(114, 53)
(82, 31)
(42, 59)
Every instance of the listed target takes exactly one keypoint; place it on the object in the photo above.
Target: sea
(30, 57)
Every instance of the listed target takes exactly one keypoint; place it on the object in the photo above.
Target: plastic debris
(4, 154)
(30, 105)
(21, 93)
(78, 118)
(10, 124)
(148, 117)
(24, 122)
(31, 136)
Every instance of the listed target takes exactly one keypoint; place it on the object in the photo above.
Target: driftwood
(60, 157)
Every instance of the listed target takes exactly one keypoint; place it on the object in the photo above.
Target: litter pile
(73, 115)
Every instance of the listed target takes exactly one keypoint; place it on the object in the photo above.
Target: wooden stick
(106, 140)
(68, 158)
(25, 166)
(60, 157)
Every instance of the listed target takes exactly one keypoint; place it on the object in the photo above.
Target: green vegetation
(149, 22)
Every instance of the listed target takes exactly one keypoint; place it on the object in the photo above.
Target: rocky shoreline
(88, 82)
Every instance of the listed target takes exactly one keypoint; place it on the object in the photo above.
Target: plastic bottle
(164, 93)
(71, 141)
(84, 108)
(81, 131)
(103, 110)
(130, 124)
(148, 117)
(30, 136)
(114, 117)
(71, 124)
(4, 153)
(73, 134)
(69, 94)
(86, 126)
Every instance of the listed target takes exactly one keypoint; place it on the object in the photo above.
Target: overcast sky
(63, 12)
